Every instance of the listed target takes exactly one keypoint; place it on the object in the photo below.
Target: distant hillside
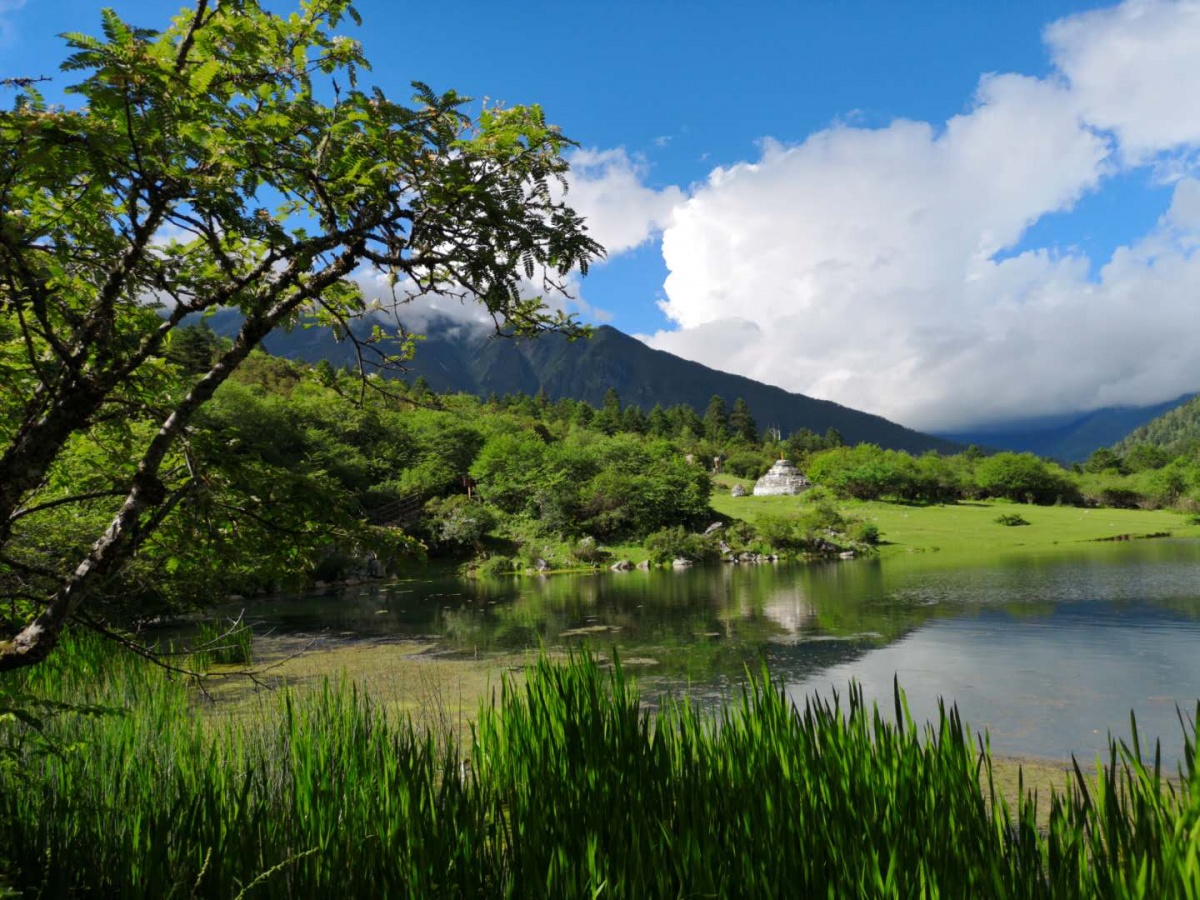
(1175, 431)
(1070, 438)
(476, 362)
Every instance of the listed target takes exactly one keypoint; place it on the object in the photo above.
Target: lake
(1049, 653)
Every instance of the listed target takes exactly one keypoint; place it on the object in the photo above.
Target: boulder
(738, 491)
(714, 527)
(681, 563)
(644, 564)
(621, 565)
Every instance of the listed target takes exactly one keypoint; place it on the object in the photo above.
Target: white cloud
(402, 304)
(867, 266)
(606, 186)
(1133, 70)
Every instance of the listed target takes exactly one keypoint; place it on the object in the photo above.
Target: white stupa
(784, 478)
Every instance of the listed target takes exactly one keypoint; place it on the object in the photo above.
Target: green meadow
(970, 528)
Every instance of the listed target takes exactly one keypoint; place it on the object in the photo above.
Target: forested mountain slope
(1175, 431)
(455, 358)
(1070, 438)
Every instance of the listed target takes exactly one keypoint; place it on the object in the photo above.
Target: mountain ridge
(1071, 437)
(464, 359)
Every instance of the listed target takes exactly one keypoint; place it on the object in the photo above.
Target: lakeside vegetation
(150, 467)
(568, 786)
(307, 480)
(971, 528)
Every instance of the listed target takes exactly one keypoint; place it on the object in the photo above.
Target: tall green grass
(570, 788)
(230, 644)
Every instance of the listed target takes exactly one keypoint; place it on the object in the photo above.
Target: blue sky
(946, 213)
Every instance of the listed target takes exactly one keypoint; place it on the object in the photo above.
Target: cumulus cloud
(1133, 70)
(404, 305)
(876, 266)
(607, 188)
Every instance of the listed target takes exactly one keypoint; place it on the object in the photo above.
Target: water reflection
(1048, 652)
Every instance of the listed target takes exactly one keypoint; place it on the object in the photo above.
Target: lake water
(1049, 653)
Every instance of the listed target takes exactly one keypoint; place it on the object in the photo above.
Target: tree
(1104, 459)
(608, 419)
(202, 170)
(716, 420)
(742, 423)
(658, 423)
(1022, 477)
(634, 420)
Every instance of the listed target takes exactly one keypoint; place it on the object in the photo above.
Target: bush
(865, 533)
(496, 567)
(458, 521)
(587, 552)
(676, 543)
(1011, 519)
(780, 533)
(818, 494)
(746, 464)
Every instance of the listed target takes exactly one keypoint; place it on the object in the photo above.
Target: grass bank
(971, 528)
(568, 787)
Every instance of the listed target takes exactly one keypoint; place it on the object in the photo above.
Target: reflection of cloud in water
(789, 609)
(1050, 686)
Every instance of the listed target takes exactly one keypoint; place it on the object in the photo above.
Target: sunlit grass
(971, 528)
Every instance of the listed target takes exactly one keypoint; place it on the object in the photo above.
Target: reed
(569, 788)
(228, 644)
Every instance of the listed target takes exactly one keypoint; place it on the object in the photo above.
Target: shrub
(458, 521)
(818, 494)
(676, 543)
(1011, 519)
(780, 532)
(746, 464)
(496, 567)
(865, 533)
(587, 552)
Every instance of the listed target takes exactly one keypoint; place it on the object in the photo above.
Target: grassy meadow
(970, 528)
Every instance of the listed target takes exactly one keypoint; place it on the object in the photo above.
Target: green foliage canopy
(229, 161)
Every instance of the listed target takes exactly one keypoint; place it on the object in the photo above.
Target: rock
(540, 564)
(747, 557)
(681, 563)
(320, 585)
(644, 564)
(621, 565)
(714, 527)
(738, 491)
(724, 547)
(848, 554)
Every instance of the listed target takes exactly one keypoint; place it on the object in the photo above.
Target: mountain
(1070, 438)
(1175, 431)
(457, 358)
